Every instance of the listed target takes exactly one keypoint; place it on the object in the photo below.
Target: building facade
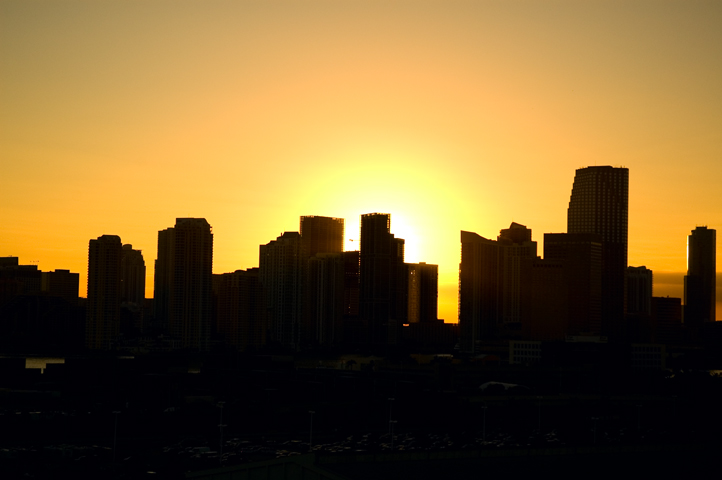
(599, 204)
(281, 273)
(102, 319)
(700, 300)
(184, 282)
(382, 275)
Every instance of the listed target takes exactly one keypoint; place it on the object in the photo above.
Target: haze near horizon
(118, 117)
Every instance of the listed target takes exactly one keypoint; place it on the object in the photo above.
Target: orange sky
(116, 117)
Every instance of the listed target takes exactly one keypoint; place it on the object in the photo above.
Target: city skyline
(119, 117)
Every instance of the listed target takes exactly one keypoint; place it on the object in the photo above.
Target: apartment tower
(599, 204)
(700, 281)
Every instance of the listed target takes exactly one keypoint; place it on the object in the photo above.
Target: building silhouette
(700, 281)
(240, 309)
(102, 319)
(490, 285)
(322, 234)
(281, 273)
(423, 296)
(132, 276)
(323, 294)
(61, 283)
(561, 294)
(324, 300)
(599, 204)
(383, 277)
(639, 290)
(183, 282)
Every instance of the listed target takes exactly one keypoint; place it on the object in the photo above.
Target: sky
(117, 117)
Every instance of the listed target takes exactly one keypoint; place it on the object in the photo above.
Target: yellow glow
(117, 117)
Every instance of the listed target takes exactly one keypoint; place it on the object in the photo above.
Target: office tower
(325, 283)
(599, 204)
(383, 278)
(639, 291)
(281, 268)
(183, 282)
(423, 297)
(241, 309)
(102, 324)
(517, 246)
(562, 293)
(490, 285)
(322, 234)
(322, 239)
(61, 283)
(132, 276)
(163, 278)
(700, 281)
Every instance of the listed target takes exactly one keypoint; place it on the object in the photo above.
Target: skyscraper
(183, 282)
(132, 277)
(700, 281)
(423, 296)
(322, 234)
(281, 272)
(490, 284)
(102, 320)
(599, 204)
(382, 274)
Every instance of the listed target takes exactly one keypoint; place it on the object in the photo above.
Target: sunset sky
(116, 117)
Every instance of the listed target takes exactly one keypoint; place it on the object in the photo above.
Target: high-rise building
(281, 270)
(639, 291)
(183, 282)
(322, 234)
(240, 309)
(102, 320)
(324, 299)
(132, 276)
(383, 276)
(562, 293)
(700, 281)
(490, 284)
(323, 275)
(61, 283)
(599, 204)
(423, 296)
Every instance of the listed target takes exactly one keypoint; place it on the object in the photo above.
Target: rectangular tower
(700, 282)
(322, 234)
(183, 283)
(382, 274)
(102, 319)
(281, 273)
(599, 204)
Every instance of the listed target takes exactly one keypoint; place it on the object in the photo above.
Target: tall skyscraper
(241, 309)
(132, 276)
(700, 300)
(281, 270)
(102, 320)
(183, 282)
(639, 291)
(383, 277)
(490, 284)
(322, 234)
(423, 297)
(599, 204)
